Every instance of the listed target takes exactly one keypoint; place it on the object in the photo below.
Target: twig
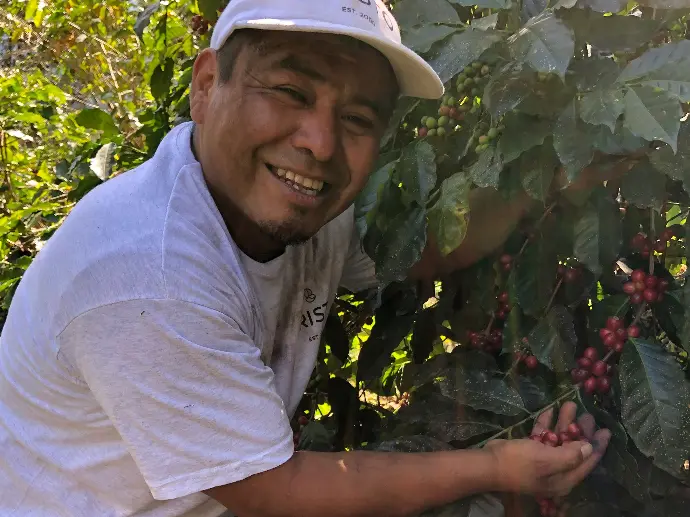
(531, 416)
(539, 222)
(553, 295)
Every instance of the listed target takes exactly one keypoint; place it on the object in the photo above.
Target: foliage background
(87, 91)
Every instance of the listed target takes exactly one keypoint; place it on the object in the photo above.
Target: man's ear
(203, 81)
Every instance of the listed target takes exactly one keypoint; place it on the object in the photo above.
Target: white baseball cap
(366, 20)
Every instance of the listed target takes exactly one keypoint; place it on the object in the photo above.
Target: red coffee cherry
(591, 354)
(585, 363)
(599, 368)
(636, 299)
(618, 347)
(663, 285)
(590, 385)
(551, 439)
(610, 340)
(614, 323)
(603, 385)
(651, 281)
(650, 295)
(633, 331)
(629, 287)
(574, 431)
(579, 375)
(531, 362)
(621, 334)
(638, 275)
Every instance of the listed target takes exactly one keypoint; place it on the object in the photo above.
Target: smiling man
(158, 345)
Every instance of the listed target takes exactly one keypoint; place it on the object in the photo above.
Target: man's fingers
(543, 422)
(566, 416)
(579, 473)
(588, 425)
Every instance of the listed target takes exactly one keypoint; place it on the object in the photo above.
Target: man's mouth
(308, 186)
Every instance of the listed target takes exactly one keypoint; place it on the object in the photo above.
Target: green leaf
(209, 8)
(144, 18)
(537, 168)
(644, 186)
(368, 197)
(652, 115)
(449, 216)
(30, 10)
(403, 108)
(421, 12)
(334, 335)
(602, 106)
(315, 437)
(553, 340)
(480, 390)
(486, 171)
(572, 142)
(666, 67)
(94, 118)
(522, 133)
(623, 467)
(102, 163)
(161, 79)
(604, 6)
(598, 232)
(665, 4)
(534, 277)
(619, 141)
(485, 23)
(421, 39)
(417, 170)
(460, 50)
(655, 404)
(401, 245)
(545, 43)
(507, 89)
(675, 165)
(534, 392)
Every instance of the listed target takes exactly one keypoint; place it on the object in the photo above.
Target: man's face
(288, 142)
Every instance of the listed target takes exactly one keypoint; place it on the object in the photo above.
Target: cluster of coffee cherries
(200, 25)
(484, 135)
(593, 373)
(530, 361)
(449, 113)
(492, 341)
(569, 274)
(302, 420)
(645, 288)
(548, 507)
(614, 335)
(472, 80)
(506, 261)
(645, 246)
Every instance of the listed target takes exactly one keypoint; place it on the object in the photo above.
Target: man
(154, 352)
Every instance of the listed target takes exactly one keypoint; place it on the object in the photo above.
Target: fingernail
(586, 450)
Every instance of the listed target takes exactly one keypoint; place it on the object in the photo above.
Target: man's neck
(247, 235)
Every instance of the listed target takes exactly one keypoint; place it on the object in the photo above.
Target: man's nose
(318, 133)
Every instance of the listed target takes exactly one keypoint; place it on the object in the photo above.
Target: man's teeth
(300, 181)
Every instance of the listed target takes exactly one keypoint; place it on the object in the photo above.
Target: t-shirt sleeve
(186, 389)
(359, 272)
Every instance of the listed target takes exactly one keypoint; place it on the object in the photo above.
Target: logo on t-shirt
(309, 295)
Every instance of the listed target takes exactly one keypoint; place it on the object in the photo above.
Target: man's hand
(530, 467)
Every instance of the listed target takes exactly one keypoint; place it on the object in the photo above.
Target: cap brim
(415, 76)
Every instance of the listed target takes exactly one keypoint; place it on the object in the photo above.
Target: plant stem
(652, 231)
(553, 295)
(539, 222)
(491, 323)
(566, 395)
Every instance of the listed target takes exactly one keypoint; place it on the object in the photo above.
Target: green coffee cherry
(424, 119)
(451, 101)
(469, 81)
(430, 123)
(464, 108)
(442, 121)
(483, 139)
(431, 132)
(474, 110)
(485, 70)
(441, 131)
(461, 78)
(493, 133)
(479, 149)
(475, 91)
(476, 65)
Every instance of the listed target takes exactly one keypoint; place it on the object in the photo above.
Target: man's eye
(296, 95)
(360, 121)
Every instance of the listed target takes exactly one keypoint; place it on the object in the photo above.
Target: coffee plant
(586, 300)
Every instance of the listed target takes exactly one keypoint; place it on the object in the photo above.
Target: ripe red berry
(667, 234)
(614, 323)
(603, 385)
(585, 363)
(506, 259)
(478, 341)
(591, 353)
(550, 438)
(503, 297)
(531, 362)
(571, 275)
(603, 333)
(638, 275)
(507, 267)
(495, 336)
(579, 375)
(610, 340)
(599, 368)
(660, 246)
(638, 241)
(639, 286)
(629, 287)
(651, 281)
(444, 110)
(633, 331)
(636, 298)
(302, 420)
(564, 438)
(574, 431)
(501, 315)
(618, 347)
(590, 385)
(422, 132)
(561, 270)
(663, 285)
(621, 334)
(650, 295)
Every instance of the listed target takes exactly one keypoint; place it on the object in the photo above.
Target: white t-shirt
(146, 359)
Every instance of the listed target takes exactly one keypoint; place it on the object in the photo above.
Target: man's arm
(493, 218)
